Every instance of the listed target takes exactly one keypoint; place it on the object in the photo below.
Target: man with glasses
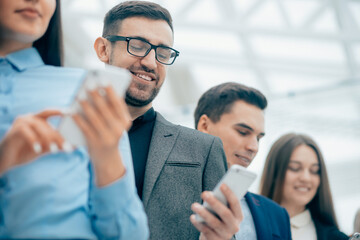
(173, 164)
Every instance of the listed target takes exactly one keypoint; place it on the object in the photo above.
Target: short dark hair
(272, 181)
(128, 9)
(50, 45)
(219, 100)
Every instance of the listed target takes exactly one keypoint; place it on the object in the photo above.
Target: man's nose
(150, 60)
(253, 145)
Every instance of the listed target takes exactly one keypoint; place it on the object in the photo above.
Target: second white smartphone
(238, 179)
(116, 77)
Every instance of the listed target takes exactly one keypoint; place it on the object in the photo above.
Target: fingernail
(102, 92)
(196, 206)
(206, 195)
(66, 146)
(54, 147)
(224, 187)
(37, 148)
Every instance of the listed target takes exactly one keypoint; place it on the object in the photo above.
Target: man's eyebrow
(243, 125)
(147, 40)
(138, 37)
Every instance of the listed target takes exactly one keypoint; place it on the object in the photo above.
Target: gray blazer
(182, 163)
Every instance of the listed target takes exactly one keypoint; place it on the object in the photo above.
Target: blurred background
(304, 55)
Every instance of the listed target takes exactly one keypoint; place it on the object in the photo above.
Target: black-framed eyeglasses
(140, 48)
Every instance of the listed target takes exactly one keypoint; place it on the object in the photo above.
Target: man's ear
(103, 49)
(203, 124)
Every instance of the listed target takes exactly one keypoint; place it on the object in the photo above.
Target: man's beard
(134, 101)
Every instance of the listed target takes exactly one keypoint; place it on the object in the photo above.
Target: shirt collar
(301, 219)
(24, 59)
(146, 117)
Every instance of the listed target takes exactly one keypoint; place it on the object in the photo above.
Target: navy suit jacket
(271, 220)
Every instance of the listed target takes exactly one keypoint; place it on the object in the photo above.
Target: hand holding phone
(238, 179)
(115, 77)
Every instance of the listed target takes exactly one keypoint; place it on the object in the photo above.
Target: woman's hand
(103, 122)
(28, 138)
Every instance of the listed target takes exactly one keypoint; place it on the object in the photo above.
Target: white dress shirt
(247, 227)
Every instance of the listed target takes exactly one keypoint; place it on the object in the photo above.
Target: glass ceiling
(303, 54)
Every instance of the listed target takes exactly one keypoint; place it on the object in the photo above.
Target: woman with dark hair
(48, 189)
(295, 177)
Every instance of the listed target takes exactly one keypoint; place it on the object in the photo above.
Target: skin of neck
(8, 46)
(292, 209)
(136, 112)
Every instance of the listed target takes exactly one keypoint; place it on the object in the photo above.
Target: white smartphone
(116, 77)
(238, 179)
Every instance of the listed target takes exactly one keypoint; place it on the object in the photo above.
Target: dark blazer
(270, 219)
(182, 163)
(328, 232)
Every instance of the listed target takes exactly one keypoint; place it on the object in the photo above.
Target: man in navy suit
(235, 113)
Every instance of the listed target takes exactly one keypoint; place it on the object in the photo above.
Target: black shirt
(140, 136)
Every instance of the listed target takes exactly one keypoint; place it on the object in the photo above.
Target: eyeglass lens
(140, 48)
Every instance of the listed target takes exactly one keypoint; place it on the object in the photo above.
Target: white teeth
(147, 78)
(303, 189)
(242, 158)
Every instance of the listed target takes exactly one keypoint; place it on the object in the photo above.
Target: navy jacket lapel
(261, 221)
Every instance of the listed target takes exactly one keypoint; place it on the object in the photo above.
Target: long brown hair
(50, 45)
(277, 161)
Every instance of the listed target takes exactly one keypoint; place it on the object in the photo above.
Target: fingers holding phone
(224, 203)
(98, 120)
(227, 220)
(103, 120)
(29, 137)
(102, 127)
(99, 114)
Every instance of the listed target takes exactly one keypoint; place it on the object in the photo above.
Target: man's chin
(134, 101)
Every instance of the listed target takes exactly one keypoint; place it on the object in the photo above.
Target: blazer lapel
(261, 221)
(162, 141)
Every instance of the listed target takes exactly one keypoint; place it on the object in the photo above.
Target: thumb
(49, 113)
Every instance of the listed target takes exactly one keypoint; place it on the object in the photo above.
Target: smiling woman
(295, 176)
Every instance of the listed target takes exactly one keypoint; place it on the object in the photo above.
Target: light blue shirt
(247, 228)
(55, 196)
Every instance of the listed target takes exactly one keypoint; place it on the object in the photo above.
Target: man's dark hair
(113, 18)
(219, 100)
